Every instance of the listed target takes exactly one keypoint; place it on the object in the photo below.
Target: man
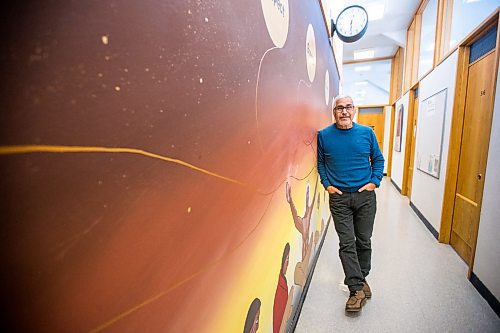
(351, 166)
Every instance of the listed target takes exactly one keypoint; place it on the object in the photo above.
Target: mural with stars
(157, 163)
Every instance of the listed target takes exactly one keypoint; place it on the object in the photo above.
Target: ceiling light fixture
(362, 68)
(375, 11)
(364, 54)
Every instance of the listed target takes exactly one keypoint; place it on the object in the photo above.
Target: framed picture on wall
(399, 128)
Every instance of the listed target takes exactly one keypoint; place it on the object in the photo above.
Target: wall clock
(351, 24)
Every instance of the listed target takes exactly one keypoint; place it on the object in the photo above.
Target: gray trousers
(353, 215)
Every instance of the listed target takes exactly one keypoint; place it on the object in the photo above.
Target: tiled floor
(418, 284)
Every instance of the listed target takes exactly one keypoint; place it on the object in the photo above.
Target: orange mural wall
(158, 163)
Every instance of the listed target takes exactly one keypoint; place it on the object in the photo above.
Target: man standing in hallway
(351, 166)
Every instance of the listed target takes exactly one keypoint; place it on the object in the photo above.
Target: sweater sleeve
(377, 161)
(321, 162)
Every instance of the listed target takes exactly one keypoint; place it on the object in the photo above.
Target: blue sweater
(344, 157)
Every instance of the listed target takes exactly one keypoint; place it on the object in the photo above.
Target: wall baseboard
(486, 293)
(425, 221)
(395, 185)
(293, 324)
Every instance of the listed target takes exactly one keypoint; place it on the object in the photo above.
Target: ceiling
(370, 85)
(386, 34)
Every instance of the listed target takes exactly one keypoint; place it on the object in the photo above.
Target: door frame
(413, 132)
(409, 139)
(391, 140)
(457, 122)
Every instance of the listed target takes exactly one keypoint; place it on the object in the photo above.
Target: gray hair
(342, 97)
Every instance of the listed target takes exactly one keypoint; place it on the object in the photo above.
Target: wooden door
(412, 144)
(473, 156)
(374, 118)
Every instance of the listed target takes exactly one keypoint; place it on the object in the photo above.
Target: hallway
(419, 285)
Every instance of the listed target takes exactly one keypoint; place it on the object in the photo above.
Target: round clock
(351, 24)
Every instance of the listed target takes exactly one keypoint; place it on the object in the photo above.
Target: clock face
(352, 23)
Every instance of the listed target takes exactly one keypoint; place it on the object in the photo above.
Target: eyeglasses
(340, 109)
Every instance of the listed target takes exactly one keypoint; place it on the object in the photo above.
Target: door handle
(479, 176)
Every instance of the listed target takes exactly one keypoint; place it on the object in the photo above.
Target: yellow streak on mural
(267, 276)
(26, 149)
(9, 150)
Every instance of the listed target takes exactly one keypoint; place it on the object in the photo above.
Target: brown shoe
(367, 290)
(356, 300)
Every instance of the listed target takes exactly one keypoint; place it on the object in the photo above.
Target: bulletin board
(430, 134)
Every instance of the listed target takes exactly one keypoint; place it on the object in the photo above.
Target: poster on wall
(430, 135)
(399, 128)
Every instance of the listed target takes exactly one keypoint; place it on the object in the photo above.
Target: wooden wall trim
(392, 89)
(349, 62)
(416, 49)
(371, 106)
(457, 122)
(408, 56)
(438, 38)
(487, 128)
(422, 6)
(396, 76)
(391, 142)
(408, 142)
(400, 74)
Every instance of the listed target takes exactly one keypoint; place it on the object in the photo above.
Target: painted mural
(157, 163)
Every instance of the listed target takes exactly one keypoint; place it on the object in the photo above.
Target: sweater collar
(341, 129)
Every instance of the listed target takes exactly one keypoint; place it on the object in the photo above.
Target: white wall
(332, 9)
(427, 191)
(398, 157)
(387, 135)
(486, 263)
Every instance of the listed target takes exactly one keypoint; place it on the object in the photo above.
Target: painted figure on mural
(351, 166)
(301, 223)
(281, 295)
(252, 320)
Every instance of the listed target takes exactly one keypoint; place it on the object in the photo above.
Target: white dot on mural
(189, 210)
(277, 20)
(327, 87)
(311, 53)
(105, 40)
